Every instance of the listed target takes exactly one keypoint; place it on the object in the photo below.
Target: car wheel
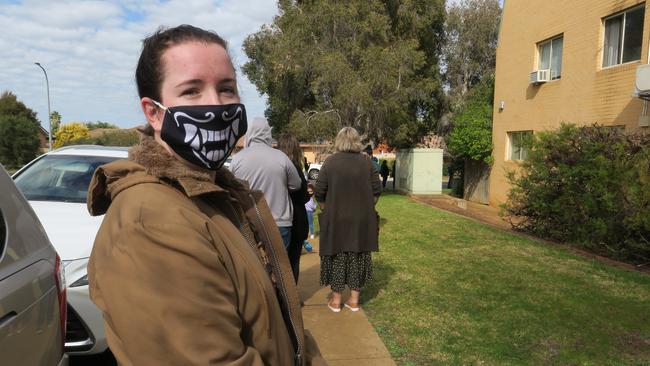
(313, 174)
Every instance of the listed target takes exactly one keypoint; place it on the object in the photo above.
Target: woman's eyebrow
(190, 82)
(228, 80)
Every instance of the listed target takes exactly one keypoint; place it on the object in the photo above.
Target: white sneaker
(312, 236)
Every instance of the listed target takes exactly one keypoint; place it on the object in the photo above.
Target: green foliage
(19, 140)
(471, 137)
(113, 138)
(314, 126)
(370, 64)
(471, 32)
(55, 118)
(70, 134)
(586, 185)
(11, 106)
(95, 125)
(119, 138)
(19, 128)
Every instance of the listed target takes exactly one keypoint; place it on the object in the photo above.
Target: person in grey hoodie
(270, 171)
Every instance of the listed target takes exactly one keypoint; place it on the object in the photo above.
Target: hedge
(589, 186)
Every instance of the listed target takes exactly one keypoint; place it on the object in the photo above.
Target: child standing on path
(310, 206)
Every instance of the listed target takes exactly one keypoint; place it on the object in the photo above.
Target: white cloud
(90, 49)
(65, 14)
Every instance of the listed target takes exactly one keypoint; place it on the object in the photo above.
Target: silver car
(32, 286)
(56, 185)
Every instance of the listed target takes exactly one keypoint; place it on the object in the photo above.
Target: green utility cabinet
(419, 171)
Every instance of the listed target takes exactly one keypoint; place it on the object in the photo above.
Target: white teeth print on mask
(235, 126)
(190, 133)
(204, 135)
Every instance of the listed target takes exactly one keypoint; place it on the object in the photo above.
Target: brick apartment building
(577, 61)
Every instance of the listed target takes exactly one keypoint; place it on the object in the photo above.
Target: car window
(59, 178)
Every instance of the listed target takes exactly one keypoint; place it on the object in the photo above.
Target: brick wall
(585, 94)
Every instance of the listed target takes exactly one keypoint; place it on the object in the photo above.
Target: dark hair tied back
(149, 72)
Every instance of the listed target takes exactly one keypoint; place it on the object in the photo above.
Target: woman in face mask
(188, 266)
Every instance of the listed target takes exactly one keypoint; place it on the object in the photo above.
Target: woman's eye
(227, 90)
(190, 92)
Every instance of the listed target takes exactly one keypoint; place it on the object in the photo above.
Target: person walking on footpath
(347, 190)
(305, 164)
(179, 265)
(384, 171)
(270, 171)
(375, 161)
(299, 227)
(310, 206)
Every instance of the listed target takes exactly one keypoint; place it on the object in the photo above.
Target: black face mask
(204, 135)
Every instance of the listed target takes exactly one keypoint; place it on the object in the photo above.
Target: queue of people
(348, 185)
(215, 253)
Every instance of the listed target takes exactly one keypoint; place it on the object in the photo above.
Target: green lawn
(451, 291)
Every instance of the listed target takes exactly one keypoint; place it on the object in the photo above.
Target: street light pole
(49, 114)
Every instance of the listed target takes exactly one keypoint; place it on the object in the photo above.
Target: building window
(518, 143)
(623, 37)
(550, 56)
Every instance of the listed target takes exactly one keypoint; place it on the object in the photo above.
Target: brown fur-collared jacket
(191, 272)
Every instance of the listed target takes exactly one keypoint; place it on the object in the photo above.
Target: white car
(314, 169)
(56, 184)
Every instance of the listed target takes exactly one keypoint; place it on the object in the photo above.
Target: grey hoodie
(268, 170)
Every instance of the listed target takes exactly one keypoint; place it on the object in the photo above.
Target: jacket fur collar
(159, 163)
(151, 163)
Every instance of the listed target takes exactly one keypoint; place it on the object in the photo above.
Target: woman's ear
(152, 113)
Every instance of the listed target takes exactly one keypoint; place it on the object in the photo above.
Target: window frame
(510, 137)
(622, 13)
(539, 46)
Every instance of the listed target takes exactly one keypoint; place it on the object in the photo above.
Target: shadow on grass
(382, 273)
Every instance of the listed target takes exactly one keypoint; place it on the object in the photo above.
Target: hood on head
(259, 132)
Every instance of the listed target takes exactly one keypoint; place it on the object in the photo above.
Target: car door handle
(7, 318)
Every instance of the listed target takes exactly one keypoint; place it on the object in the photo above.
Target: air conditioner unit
(540, 76)
(643, 82)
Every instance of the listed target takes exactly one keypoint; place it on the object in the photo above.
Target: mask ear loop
(160, 105)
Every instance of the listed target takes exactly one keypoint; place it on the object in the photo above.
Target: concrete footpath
(344, 338)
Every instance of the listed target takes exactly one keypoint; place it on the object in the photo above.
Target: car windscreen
(62, 178)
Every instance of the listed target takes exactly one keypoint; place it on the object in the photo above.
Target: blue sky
(90, 49)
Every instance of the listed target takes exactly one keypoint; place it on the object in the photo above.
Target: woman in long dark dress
(300, 226)
(347, 190)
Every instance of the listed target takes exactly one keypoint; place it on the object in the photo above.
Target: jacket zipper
(298, 357)
(240, 226)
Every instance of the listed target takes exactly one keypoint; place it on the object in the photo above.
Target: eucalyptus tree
(370, 64)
